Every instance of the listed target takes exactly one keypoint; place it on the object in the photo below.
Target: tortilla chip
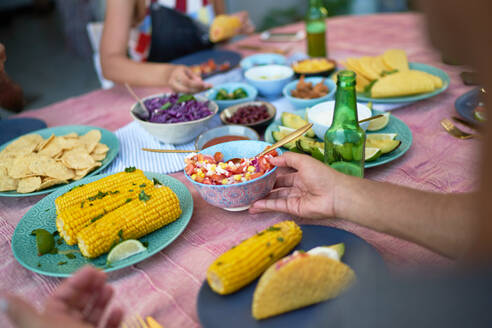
(53, 148)
(71, 135)
(7, 183)
(79, 174)
(20, 166)
(78, 159)
(46, 166)
(98, 157)
(44, 143)
(100, 149)
(24, 145)
(365, 64)
(91, 139)
(49, 182)
(28, 184)
(378, 65)
(402, 83)
(396, 59)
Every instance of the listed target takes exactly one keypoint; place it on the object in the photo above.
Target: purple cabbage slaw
(176, 109)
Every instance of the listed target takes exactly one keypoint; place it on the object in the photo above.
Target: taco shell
(403, 83)
(298, 281)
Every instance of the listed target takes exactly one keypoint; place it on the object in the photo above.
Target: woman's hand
(182, 79)
(309, 192)
(79, 302)
(247, 26)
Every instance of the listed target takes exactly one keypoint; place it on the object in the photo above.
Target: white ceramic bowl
(321, 116)
(269, 79)
(175, 133)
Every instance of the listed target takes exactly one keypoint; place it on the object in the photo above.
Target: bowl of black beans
(254, 114)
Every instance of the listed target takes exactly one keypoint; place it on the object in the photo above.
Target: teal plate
(395, 125)
(43, 214)
(419, 67)
(107, 137)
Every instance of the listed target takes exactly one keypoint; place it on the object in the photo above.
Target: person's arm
(219, 7)
(116, 66)
(443, 223)
(11, 95)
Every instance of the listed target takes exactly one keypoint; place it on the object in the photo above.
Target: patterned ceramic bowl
(240, 196)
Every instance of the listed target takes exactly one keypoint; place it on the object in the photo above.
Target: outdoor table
(166, 285)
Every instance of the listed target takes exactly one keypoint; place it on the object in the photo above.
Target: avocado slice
(294, 121)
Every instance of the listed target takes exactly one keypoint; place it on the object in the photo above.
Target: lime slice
(379, 123)
(372, 153)
(125, 249)
(339, 248)
(386, 145)
(381, 136)
(318, 153)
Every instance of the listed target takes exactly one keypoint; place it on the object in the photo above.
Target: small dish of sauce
(222, 139)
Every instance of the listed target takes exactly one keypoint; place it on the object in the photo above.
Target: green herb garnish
(166, 106)
(46, 210)
(55, 233)
(273, 229)
(184, 98)
(120, 234)
(114, 192)
(156, 182)
(260, 233)
(268, 244)
(280, 239)
(99, 195)
(143, 185)
(62, 263)
(59, 241)
(39, 265)
(143, 196)
(130, 169)
(384, 73)
(270, 256)
(131, 190)
(97, 217)
(80, 185)
(219, 263)
(70, 256)
(145, 244)
(82, 204)
(128, 200)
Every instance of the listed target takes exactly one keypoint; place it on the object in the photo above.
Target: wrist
(341, 194)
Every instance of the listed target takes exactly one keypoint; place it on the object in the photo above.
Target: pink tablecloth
(166, 285)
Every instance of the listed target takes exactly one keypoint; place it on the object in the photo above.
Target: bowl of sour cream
(269, 79)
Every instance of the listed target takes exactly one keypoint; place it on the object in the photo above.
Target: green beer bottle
(345, 140)
(316, 29)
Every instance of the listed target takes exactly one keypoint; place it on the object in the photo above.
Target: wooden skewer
(137, 98)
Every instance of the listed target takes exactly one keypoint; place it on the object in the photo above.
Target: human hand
(247, 26)
(309, 192)
(79, 302)
(182, 79)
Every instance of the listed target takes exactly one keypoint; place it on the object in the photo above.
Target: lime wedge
(125, 249)
(379, 123)
(339, 248)
(386, 145)
(381, 136)
(372, 153)
(318, 153)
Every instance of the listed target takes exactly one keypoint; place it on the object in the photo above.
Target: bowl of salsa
(223, 134)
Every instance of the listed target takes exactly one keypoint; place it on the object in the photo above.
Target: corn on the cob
(77, 194)
(151, 211)
(70, 221)
(242, 264)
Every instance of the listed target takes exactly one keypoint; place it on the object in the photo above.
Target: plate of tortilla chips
(43, 160)
(390, 78)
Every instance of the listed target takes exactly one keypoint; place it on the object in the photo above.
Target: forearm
(124, 70)
(443, 223)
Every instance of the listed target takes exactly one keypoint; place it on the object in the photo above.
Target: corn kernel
(247, 175)
(224, 181)
(201, 174)
(223, 165)
(193, 176)
(237, 177)
(213, 167)
(251, 169)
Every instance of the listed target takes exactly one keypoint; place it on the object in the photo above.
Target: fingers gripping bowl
(237, 196)
(174, 119)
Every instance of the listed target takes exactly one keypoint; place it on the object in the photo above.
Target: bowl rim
(248, 72)
(328, 95)
(203, 99)
(215, 88)
(251, 57)
(222, 126)
(279, 151)
(253, 102)
(333, 61)
(308, 111)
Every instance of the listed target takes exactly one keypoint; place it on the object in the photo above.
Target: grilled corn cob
(93, 207)
(242, 264)
(77, 194)
(151, 211)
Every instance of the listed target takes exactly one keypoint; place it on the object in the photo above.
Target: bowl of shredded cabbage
(174, 118)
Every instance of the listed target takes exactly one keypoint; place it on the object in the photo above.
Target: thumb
(20, 313)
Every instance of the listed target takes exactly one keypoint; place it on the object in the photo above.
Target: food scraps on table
(215, 171)
(32, 163)
(238, 93)
(249, 114)
(245, 262)
(210, 67)
(306, 90)
(301, 279)
(389, 75)
(313, 65)
(122, 206)
(176, 108)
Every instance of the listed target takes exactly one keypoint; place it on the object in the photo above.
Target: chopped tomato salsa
(214, 171)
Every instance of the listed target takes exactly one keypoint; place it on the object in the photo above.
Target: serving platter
(43, 215)
(234, 310)
(107, 137)
(218, 55)
(395, 125)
